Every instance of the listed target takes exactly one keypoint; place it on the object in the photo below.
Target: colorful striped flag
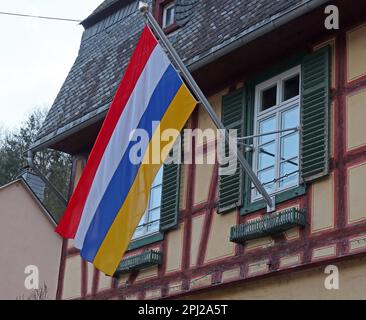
(112, 194)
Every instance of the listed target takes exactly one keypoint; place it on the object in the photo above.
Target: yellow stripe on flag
(121, 231)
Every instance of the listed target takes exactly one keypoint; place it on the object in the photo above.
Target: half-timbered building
(266, 66)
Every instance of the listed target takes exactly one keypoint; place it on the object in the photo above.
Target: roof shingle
(106, 48)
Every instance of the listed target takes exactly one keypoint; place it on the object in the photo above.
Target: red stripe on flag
(70, 220)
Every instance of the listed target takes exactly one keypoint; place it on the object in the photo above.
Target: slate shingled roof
(106, 47)
(104, 5)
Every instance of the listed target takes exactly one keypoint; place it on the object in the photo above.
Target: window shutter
(231, 187)
(170, 195)
(315, 115)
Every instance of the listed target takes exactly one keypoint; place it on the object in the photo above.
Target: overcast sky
(35, 54)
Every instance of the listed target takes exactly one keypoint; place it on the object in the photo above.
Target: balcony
(268, 225)
(137, 262)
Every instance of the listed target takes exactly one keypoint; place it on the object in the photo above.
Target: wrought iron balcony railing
(140, 261)
(269, 224)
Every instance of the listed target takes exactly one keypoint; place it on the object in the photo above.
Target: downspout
(32, 165)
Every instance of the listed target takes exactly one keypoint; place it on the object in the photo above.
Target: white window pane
(141, 228)
(290, 118)
(276, 154)
(266, 126)
(268, 98)
(155, 197)
(154, 215)
(139, 232)
(143, 219)
(267, 156)
(168, 15)
(266, 177)
(158, 178)
(290, 146)
(153, 227)
(289, 173)
(291, 88)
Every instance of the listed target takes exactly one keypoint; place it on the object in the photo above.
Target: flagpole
(144, 8)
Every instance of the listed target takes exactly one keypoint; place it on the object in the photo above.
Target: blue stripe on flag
(126, 172)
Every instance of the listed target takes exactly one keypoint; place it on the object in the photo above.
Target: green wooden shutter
(231, 187)
(315, 115)
(170, 195)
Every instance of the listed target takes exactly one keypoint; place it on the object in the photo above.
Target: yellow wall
(72, 279)
(322, 205)
(356, 52)
(356, 115)
(174, 251)
(356, 193)
(307, 284)
(197, 228)
(219, 245)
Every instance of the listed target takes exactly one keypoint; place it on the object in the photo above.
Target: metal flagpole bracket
(272, 208)
(144, 9)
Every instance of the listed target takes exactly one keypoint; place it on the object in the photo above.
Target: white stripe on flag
(129, 120)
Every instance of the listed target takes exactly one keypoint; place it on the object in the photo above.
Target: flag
(112, 193)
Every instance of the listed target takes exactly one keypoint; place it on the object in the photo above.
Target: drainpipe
(32, 165)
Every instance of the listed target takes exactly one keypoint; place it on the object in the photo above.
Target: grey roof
(106, 47)
(35, 183)
(104, 5)
(31, 192)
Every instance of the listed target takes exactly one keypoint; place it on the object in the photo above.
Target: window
(169, 14)
(303, 92)
(150, 221)
(277, 145)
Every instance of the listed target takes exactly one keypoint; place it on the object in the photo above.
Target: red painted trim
(84, 278)
(112, 293)
(162, 268)
(64, 249)
(197, 209)
(61, 273)
(209, 217)
(296, 247)
(348, 246)
(266, 276)
(356, 84)
(356, 155)
(341, 187)
(239, 249)
(186, 252)
(95, 285)
(71, 252)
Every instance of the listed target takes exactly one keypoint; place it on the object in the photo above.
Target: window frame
(248, 206)
(275, 111)
(165, 10)
(149, 237)
(159, 6)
